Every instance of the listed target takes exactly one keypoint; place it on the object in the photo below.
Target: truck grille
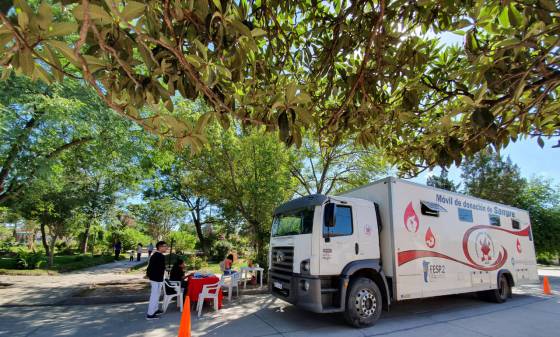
(282, 260)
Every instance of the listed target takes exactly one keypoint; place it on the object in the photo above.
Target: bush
(29, 260)
(546, 258)
(129, 238)
(194, 262)
(183, 242)
(220, 249)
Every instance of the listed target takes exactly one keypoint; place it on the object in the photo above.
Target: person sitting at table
(228, 263)
(178, 273)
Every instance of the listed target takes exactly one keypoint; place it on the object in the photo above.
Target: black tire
(500, 294)
(364, 303)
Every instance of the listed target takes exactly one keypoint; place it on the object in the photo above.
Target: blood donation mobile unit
(394, 240)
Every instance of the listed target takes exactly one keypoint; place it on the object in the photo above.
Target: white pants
(154, 297)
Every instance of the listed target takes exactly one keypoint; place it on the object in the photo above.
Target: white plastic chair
(231, 281)
(175, 286)
(209, 291)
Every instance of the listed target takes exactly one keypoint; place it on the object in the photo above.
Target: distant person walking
(117, 247)
(138, 252)
(155, 273)
(150, 249)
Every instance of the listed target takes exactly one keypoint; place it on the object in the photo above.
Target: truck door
(339, 244)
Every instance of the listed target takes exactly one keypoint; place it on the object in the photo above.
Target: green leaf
(62, 29)
(540, 141)
(258, 32)
(94, 63)
(508, 42)
(515, 18)
(548, 5)
(23, 19)
(132, 10)
(202, 122)
(65, 50)
(96, 13)
(218, 4)
(26, 62)
(40, 73)
(194, 60)
(504, 18)
(45, 16)
(241, 28)
(50, 56)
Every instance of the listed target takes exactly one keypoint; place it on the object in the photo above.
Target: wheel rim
(366, 303)
(503, 288)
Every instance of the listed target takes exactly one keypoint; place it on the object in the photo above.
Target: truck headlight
(304, 267)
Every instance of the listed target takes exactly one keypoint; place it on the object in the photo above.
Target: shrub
(129, 238)
(183, 242)
(221, 249)
(194, 262)
(29, 260)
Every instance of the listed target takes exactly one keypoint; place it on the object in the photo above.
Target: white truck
(395, 240)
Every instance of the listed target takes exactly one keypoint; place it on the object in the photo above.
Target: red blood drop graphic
(411, 219)
(518, 246)
(430, 238)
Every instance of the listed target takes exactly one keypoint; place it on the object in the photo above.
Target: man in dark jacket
(155, 272)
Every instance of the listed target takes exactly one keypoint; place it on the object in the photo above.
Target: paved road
(529, 313)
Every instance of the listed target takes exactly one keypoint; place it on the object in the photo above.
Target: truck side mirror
(330, 220)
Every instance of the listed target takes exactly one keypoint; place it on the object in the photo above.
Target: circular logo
(484, 248)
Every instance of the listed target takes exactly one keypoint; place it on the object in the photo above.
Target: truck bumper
(303, 291)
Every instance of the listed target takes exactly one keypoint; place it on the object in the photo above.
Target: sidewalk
(55, 289)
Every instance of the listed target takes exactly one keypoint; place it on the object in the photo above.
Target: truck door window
(515, 224)
(494, 220)
(343, 223)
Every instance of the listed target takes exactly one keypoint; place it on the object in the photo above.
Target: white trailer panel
(436, 242)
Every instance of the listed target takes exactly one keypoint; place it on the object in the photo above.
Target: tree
(486, 175)
(246, 174)
(542, 199)
(442, 181)
(329, 163)
(52, 202)
(159, 216)
(364, 67)
(39, 123)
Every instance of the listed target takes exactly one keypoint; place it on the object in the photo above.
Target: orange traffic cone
(546, 286)
(185, 326)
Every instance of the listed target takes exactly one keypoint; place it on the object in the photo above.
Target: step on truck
(393, 240)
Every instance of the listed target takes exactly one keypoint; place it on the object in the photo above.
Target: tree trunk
(200, 235)
(84, 243)
(51, 252)
(44, 240)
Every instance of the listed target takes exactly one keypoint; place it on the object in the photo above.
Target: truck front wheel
(363, 303)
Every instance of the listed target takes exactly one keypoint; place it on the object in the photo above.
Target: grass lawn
(62, 263)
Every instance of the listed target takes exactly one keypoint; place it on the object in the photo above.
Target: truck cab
(319, 246)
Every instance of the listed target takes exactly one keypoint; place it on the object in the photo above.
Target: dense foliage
(374, 69)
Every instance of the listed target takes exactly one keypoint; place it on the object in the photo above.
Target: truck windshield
(293, 223)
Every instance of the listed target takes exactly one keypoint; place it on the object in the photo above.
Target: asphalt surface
(528, 313)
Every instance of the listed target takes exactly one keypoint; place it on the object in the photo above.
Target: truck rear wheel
(363, 303)
(500, 294)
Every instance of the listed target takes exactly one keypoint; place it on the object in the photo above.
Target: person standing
(150, 249)
(117, 247)
(155, 273)
(138, 252)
